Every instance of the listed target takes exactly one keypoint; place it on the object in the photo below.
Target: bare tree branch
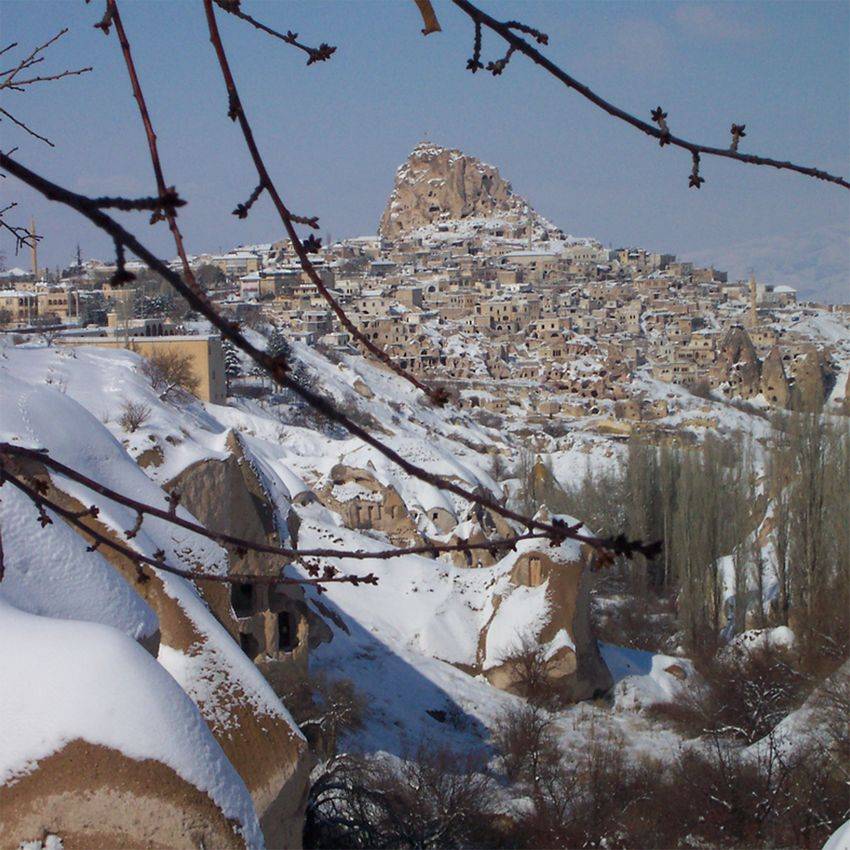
(240, 543)
(22, 236)
(314, 54)
(237, 113)
(112, 16)
(9, 79)
(506, 31)
(330, 574)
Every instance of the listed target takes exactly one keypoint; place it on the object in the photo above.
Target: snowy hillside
(427, 648)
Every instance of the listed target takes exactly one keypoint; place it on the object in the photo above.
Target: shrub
(134, 414)
(324, 709)
(743, 698)
(525, 740)
(530, 671)
(700, 389)
(437, 798)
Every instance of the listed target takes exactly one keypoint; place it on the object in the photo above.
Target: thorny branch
(163, 210)
(237, 113)
(241, 544)
(506, 29)
(9, 80)
(277, 369)
(314, 54)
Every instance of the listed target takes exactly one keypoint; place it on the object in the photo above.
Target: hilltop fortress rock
(442, 187)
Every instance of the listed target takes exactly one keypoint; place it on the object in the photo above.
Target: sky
(334, 133)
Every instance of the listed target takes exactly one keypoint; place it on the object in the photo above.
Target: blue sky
(334, 133)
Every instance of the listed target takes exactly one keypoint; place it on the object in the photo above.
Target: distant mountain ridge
(816, 263)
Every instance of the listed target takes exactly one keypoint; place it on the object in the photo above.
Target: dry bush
(134, 414)
(449, 391)
(530, 672)
(700, 389)
(774, 798)
(436, 798)
(170, 374)
(597, 798)
(524, 738)
(487, 418)
(719, 797)
(743, 697)
(324, 709)
(556, 428)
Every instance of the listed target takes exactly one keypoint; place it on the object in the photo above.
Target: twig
(169, 201)
(22, 236)
(505, 30)
(242, 210)
(29, 129)
(9, 79)
(114, 17)
(158, 561)
(314, 54)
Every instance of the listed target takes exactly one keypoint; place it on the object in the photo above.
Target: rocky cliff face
(437, 186)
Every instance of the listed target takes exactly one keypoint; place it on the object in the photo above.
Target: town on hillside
(467, 285)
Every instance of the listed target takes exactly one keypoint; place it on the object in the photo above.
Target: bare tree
(170, 373)
(524, 737)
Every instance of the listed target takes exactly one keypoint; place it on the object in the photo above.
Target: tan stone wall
(204, 352)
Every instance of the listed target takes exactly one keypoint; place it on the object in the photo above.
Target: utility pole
(34, 248)
(754, 316)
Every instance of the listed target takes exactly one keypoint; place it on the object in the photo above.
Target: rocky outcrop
(550, 586)
(436, 186)
(809, 390)
(363, 502)
(271, 625)
(229, 495)
(740, 363)
(774, 382)
(255, 733)
(167, 811)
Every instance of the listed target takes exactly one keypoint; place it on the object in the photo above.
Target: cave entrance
(287, 632)
(250, 645)
(242, 599)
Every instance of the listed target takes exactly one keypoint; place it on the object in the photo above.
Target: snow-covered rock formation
(442, 188)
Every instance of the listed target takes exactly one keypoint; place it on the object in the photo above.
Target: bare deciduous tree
(170, 373)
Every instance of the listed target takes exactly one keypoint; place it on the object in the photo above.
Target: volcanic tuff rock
(774, 382)
(440, 186)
